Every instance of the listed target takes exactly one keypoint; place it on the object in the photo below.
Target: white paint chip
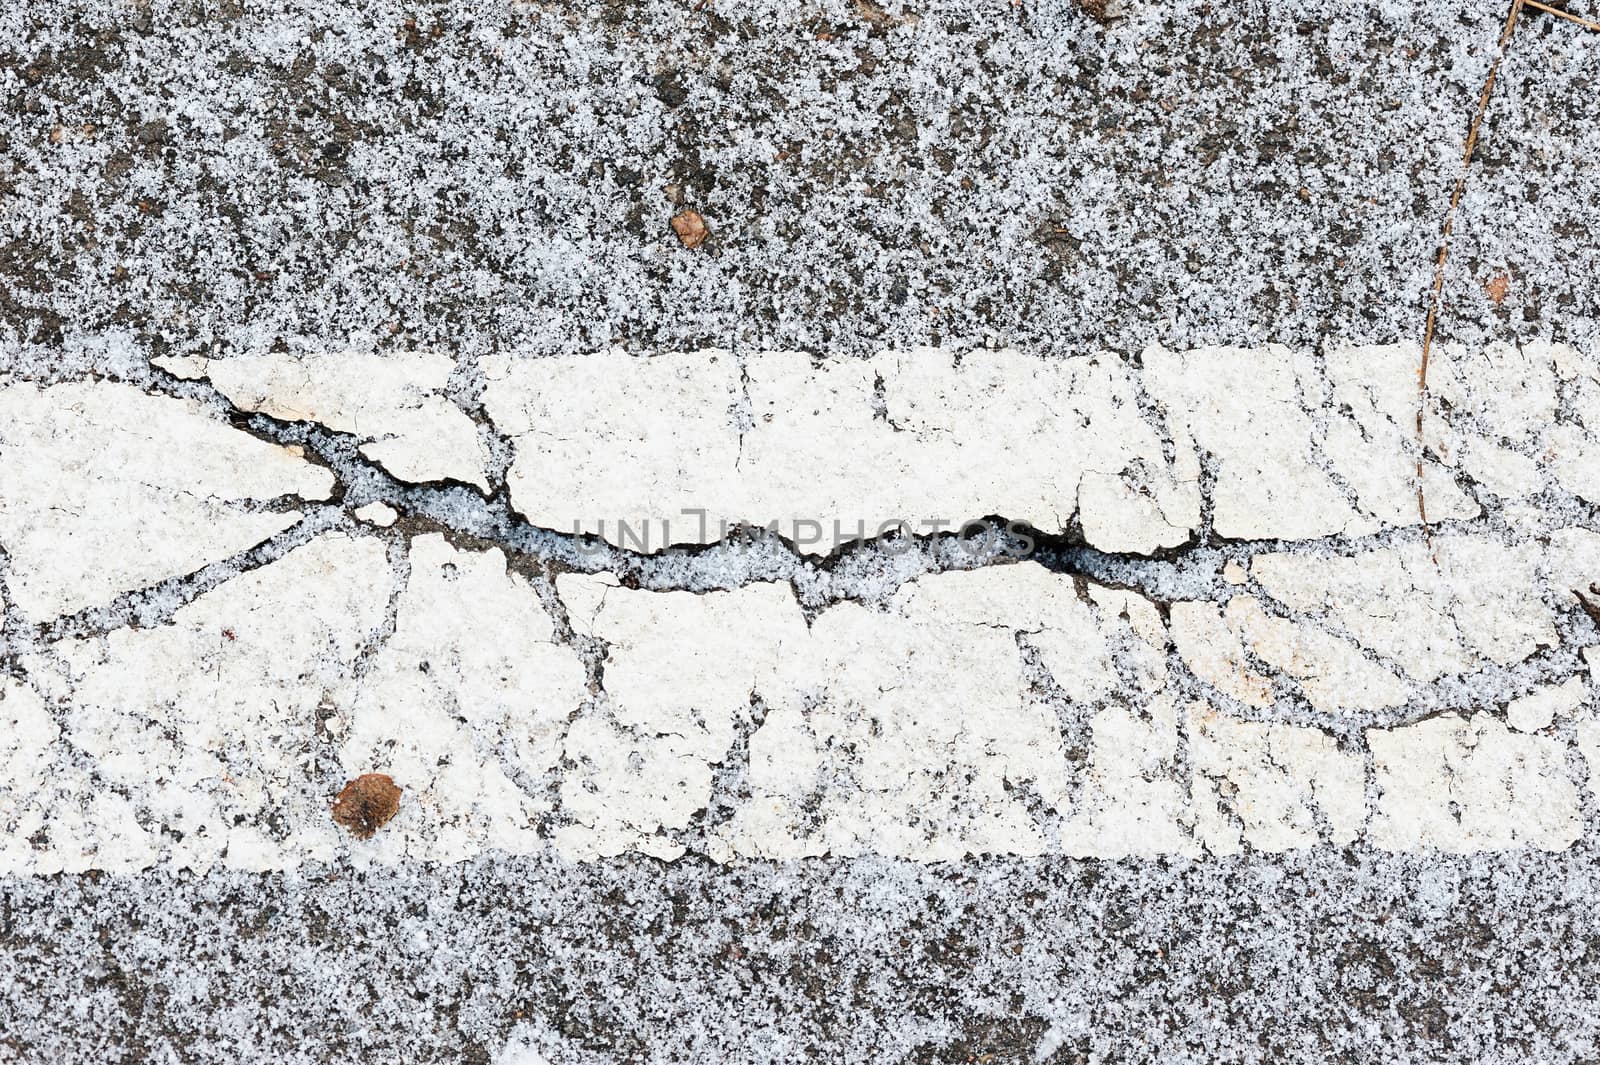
(186, 367)
(1540, 709)
(379, 514)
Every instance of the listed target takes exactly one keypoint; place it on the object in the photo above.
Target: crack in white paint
(646, 441)
(1007, 710)
(911, 731)
(106, 488)
(395, 405)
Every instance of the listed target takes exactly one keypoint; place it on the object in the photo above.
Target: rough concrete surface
(849, 531)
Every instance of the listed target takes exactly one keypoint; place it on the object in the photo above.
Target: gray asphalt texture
(1310, 957)
(217, 178)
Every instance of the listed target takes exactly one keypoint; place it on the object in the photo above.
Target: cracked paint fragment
(192, 744)
(1480, 604)
(1571, 444)
(1302, 445)
(1539, 709)
(108, 489)
(1469, 784)
(678, 666)
(1370, 435)
(1246, 409)
(613, 437)
(1134, 802)
(1332, 672)
(395, 405)
(380, 514)
(1501, 402)
(916, 437)
(1587, 735)
(1302, 450)
(1280, 783)
(923, 732)
(1215, 653)
(464, 705)
(892, 732)
(922, 435)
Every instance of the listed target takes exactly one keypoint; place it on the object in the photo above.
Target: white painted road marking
(1009, 710)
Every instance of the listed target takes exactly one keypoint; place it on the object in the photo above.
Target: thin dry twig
(1569, 16)
(1444, 253)
(1449, 224)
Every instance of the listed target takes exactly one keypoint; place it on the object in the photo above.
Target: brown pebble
(691, 228)
(367, 803)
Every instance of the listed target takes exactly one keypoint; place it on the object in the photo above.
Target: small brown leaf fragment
(691, 228)
(367, 803)
(1099, 10)
(1497, 288)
